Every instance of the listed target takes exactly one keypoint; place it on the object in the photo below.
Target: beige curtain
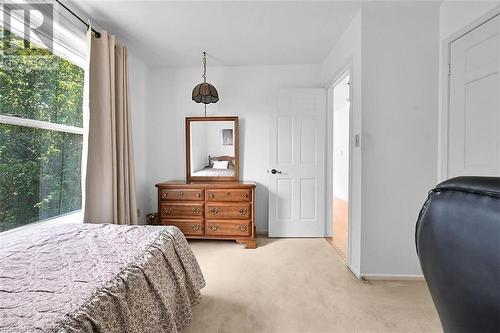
(110, 181)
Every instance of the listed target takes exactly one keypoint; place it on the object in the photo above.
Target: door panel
(308, 199)
(284, 198)
(308, 138)
(285, 140)
(474, 109)
(297, 194)
(481, 124)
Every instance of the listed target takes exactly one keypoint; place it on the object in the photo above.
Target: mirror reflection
(212, 148)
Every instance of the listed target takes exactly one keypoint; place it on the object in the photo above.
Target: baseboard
(261, 233)
(393, 277)
(354, 271)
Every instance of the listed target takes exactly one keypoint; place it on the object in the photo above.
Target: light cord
(204, 67)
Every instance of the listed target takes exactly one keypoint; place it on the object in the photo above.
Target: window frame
(74, 217)
(25, 122)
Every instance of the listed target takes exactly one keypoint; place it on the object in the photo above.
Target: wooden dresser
(209, 210)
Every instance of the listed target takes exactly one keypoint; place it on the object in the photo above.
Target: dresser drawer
(228, 228)
(233, 194)
(229, 210)
(187, 194)
(181, 210)
(188, 227)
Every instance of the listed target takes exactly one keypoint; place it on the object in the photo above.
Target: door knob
(274, 171)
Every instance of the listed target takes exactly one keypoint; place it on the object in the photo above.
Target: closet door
(474, 113)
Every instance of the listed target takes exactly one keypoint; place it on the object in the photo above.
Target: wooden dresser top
(185, 184)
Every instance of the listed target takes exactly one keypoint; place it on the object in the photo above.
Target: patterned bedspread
(97, 278)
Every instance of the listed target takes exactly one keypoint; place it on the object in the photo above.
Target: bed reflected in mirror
(212, 148)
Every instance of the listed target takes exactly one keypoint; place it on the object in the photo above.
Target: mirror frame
(236, 136)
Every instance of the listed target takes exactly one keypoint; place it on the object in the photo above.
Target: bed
(211, 172)
(97, 278)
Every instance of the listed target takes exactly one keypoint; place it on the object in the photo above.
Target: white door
(474, 114)
(297, 162)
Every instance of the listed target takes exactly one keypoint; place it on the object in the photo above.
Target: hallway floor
(340, 228)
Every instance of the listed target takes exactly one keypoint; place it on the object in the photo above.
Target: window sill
(70, 218)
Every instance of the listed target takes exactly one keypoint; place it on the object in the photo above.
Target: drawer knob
(243, 227)
(243, 211)
(163, 195)
(198, 195)
(212, 195)
(167, 210)
(214, 227)
(245, 195)
(196, 211)
(214, 210)
(196, 227)
(182, 193)
(228, 193)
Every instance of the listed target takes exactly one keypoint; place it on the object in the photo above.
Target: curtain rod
(97, 33)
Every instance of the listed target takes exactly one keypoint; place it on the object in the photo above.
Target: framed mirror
(212, 148)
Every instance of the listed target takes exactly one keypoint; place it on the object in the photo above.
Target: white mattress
(209, 172)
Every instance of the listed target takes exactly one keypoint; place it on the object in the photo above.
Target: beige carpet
(301, 285)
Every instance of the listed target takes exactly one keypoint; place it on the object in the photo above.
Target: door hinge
(449, 68)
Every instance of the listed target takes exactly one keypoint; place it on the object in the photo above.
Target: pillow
(220, 164)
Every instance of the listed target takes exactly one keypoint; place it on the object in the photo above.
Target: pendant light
(205, 92)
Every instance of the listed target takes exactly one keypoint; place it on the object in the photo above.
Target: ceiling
(234, 33)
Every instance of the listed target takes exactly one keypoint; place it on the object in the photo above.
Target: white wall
(347, 51)
(248, 92)
(400, 43)
(213, 139)
(393, 50)
(455, 15)
(138, 76)
(199, 154)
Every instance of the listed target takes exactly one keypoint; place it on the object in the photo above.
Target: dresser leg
(250, 243)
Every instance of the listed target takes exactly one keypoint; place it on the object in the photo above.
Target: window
(41, 133)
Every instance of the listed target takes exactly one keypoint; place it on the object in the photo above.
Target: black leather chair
(458, 244)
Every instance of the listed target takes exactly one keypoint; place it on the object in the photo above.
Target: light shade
(205, 93)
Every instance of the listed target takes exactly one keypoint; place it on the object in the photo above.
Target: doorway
(340, 163)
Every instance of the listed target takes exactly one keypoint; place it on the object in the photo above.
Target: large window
(41, 133)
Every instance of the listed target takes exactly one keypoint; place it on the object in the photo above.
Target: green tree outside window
(40, 169)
